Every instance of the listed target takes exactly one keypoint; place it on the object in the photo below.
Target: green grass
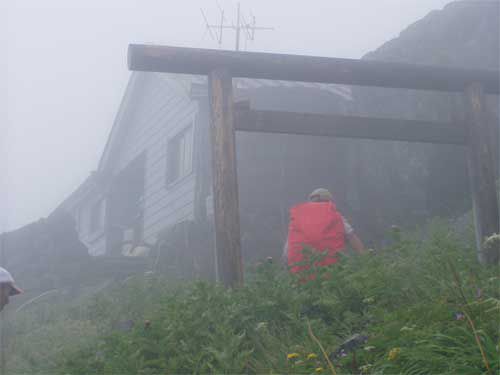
(427, 307)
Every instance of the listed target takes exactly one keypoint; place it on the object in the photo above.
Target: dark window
(180, 155)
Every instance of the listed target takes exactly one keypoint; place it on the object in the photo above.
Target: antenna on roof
(206, 22)
(248, 28)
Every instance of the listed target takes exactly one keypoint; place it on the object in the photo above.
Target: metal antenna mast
(241, 25)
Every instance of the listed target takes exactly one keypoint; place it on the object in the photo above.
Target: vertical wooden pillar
(482, 173)
(224, 177)
(2, 313)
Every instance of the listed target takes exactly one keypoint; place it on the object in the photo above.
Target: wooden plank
(482, 173)
(3, 322)
(349, 127)
(308, 68)
(225, 183)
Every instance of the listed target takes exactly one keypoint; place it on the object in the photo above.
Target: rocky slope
(407, 182)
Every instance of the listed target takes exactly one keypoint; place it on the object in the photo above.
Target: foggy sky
(63, 72)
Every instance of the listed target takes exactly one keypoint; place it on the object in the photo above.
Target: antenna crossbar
(249, 28)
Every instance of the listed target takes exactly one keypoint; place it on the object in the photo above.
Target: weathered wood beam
(225, 182)
(482, 173)
(348, 126)
(308, 68)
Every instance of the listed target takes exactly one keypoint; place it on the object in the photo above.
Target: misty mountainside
(375, 183)
(406, 182)
(47, 255)
(44, 254)
(462, 35)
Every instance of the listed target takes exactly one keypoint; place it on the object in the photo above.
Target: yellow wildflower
(292, 356)
(319, 370)
(312, 356)
(394, 353)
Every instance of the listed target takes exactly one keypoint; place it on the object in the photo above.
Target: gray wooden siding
(155, 108)
(162, 111)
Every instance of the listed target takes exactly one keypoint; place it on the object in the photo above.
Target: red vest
(317, 225)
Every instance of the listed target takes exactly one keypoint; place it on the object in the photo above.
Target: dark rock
(349, 346)
(124, 326)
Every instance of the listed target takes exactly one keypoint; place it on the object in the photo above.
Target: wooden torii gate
(222, 66)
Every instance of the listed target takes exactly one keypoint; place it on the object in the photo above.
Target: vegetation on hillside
(418, 307)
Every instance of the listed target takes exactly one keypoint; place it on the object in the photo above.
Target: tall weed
(427, 307)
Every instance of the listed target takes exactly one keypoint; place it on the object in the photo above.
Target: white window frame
(185, 155)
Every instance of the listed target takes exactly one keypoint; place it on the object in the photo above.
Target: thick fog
(63, 72)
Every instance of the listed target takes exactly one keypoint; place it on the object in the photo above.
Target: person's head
(320, 195)
(7, 287)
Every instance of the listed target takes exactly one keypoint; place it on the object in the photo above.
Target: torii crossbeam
(222, 66)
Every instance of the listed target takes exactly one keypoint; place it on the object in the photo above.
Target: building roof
(188, 81)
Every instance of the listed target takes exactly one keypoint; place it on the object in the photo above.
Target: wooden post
(225, 183)
(482, 174)
(3, 324)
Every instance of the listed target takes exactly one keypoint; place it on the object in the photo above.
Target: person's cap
(6, 278)
(321, 194)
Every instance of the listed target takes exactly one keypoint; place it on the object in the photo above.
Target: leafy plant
(426, 306)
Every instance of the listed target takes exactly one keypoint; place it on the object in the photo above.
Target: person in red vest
(318, 225)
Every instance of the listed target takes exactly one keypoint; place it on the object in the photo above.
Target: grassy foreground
(426, 307)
